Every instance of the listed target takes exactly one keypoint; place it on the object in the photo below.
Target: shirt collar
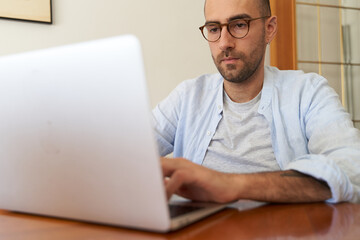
(219, 96)
(267, 89)
(265, 94)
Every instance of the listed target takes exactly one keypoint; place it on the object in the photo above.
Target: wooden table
(274, 221)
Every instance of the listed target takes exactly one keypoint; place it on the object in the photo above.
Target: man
(260, 133)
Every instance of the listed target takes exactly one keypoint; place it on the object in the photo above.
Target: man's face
(237, 59)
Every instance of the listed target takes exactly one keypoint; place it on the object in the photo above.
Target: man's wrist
(236, 187)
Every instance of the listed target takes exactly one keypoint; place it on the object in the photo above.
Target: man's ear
(271, 28)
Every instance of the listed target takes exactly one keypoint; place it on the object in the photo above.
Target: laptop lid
(75, 135)
(76, 140)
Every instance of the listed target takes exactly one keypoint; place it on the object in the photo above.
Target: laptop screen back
(75, 135)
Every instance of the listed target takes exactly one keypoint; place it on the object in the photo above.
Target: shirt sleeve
(333, 143)
(165, 117)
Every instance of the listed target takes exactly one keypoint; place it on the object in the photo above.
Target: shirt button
(219, 107)
(208, 133)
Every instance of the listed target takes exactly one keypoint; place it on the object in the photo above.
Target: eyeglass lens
(237, 28)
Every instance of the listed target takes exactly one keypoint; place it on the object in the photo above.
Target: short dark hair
(264, 6)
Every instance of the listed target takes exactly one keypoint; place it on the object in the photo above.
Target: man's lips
(229, 60)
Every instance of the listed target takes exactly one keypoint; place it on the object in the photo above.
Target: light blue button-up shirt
(310, 130)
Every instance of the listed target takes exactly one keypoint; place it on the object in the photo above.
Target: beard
(235, 74)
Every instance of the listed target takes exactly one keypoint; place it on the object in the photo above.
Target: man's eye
(240, 25)
(212, 29)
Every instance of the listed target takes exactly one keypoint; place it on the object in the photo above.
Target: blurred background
(322, 36)
(314, 35)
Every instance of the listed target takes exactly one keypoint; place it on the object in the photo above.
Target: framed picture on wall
(27, 10)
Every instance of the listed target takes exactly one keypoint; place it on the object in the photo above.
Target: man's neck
(247, 90)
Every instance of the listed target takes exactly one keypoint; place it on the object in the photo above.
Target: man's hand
(198, 183)
(195, 182)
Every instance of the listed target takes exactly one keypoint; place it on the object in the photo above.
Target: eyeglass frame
(248, 20)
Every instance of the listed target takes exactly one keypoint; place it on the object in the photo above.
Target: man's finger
(170, 165)
(174, 183)
(166, 167)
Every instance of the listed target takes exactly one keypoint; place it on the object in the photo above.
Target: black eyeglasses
(237, 28)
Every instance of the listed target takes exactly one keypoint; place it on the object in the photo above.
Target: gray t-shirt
(242, 141)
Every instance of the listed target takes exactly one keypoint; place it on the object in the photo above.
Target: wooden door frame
(283, 51)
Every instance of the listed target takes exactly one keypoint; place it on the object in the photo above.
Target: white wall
(173, 47)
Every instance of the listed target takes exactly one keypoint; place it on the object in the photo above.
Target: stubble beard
(235, 74)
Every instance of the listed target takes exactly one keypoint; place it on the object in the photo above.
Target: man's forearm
(282, 186)
(198, 183)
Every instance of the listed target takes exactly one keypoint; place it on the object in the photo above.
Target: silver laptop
(76, 139)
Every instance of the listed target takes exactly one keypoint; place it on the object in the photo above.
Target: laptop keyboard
(178, 210)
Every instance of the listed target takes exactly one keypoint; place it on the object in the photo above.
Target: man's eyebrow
(209, 22)
(240, 16)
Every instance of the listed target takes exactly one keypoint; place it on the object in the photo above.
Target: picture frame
(27, 10)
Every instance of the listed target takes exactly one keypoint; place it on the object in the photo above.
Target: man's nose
(226, 41)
